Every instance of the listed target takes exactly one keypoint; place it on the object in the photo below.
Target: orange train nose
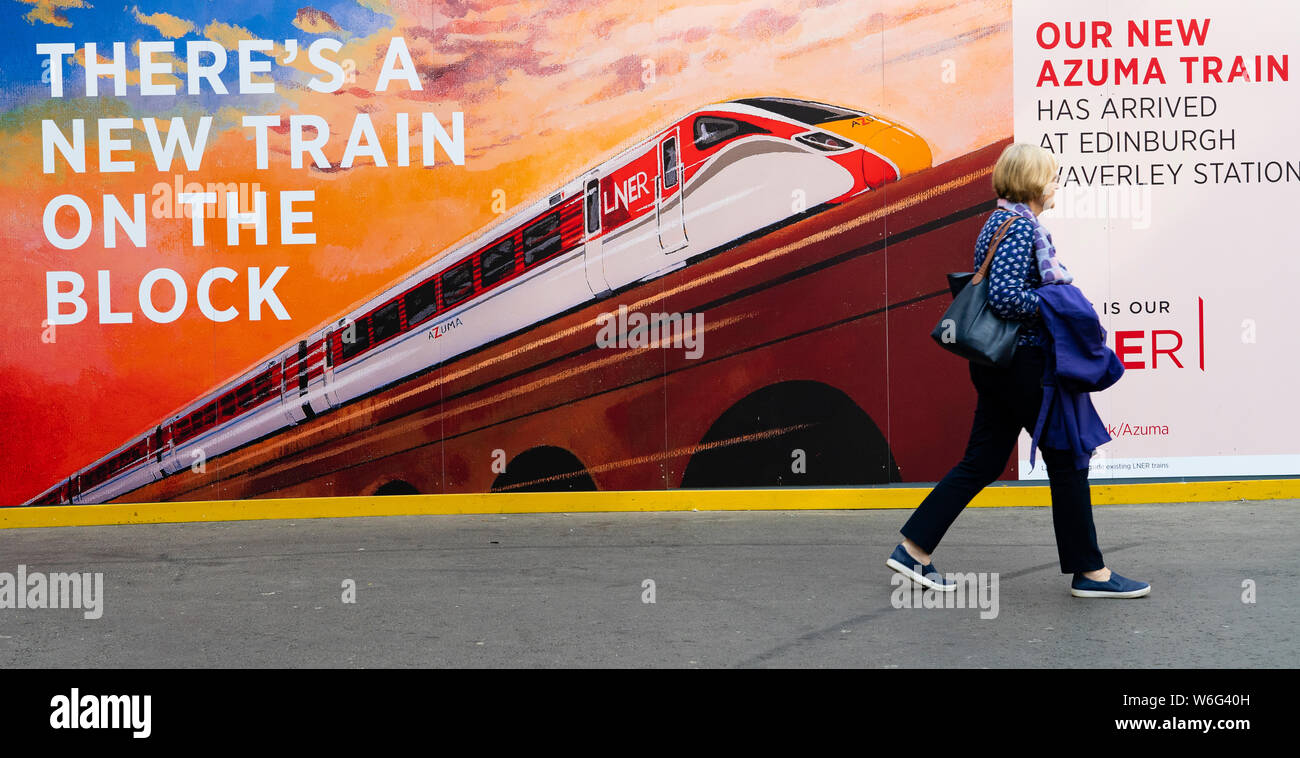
(900, 145)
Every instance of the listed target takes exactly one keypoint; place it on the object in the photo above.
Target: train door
(168, 463)
(296, 372)
(629, 216)
(328, 346)
(291, 365)
(159, 446)
(669, 208)
(592, 258)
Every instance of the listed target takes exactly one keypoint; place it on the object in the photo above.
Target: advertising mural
(267, 250)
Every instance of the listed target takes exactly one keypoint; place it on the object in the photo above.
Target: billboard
(379, 247)
(1179, 171)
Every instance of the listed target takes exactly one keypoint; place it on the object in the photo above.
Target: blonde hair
(1023, 171)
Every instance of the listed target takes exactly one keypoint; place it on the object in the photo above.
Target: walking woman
(1009, 399)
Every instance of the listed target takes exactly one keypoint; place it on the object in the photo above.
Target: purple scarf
(1050, 269)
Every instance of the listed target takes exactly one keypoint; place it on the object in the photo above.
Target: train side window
(387, 321)
(806, 111)
(713, 130)
(227, 404)
(458, 283)
(498, 262)
(299, 368)
(263, 386)
(422, 302)
(542, 239)
(354, 338)
(593, 206)
(670, 162)
(246, 394)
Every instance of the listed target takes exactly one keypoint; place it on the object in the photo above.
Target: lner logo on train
(712, 177)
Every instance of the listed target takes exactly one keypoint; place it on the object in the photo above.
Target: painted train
(713, 176)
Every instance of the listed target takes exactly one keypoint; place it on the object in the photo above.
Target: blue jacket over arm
(1078, 362)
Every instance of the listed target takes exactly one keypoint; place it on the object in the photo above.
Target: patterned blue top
(1013, 275)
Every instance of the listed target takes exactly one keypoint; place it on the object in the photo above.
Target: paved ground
(803, 589)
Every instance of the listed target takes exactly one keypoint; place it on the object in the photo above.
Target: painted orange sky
(547, 90)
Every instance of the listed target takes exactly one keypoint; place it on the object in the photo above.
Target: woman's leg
(1076, 536)
(992, 438)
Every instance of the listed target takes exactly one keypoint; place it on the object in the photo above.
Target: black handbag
(969, 327)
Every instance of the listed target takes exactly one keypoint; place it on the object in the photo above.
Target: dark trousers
(1009, 400)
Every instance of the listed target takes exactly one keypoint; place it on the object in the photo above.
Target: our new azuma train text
(308, 136)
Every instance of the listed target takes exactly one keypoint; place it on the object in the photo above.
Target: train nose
(906, 149)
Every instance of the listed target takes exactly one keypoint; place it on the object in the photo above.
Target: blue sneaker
(926, 576)
(1117, 586)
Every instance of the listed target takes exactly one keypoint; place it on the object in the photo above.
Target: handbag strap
(993, 249)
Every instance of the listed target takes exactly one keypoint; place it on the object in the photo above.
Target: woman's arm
(1010, 295)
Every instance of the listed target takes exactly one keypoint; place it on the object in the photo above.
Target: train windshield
(801, 110)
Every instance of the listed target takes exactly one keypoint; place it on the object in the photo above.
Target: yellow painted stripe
(588, 502)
